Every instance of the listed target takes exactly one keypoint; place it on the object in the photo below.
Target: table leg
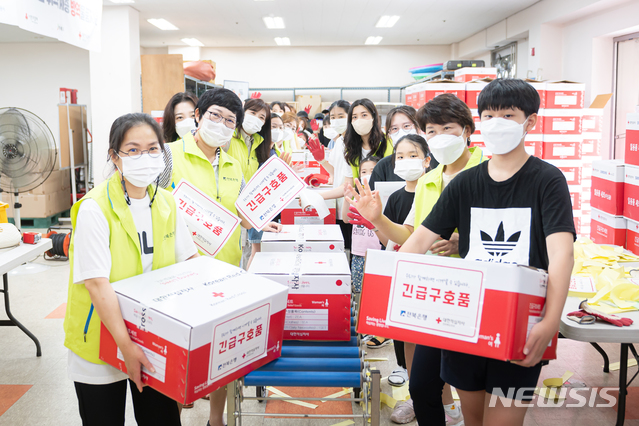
(603, 353)
(12, 321)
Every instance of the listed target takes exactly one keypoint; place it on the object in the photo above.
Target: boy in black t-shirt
(512, 209)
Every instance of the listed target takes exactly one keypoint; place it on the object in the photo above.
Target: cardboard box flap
(307, 263)
(443, 81)
(601, 101)
(199, 284)
(563, 82)
(305, 233)
(482, 80)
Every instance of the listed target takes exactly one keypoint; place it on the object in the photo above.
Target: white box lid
(307, 263)
(305, 233)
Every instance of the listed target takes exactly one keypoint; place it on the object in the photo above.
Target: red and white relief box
(478, 308)
(570, 168)
(562, 147)
(607, 229)
(561, 121)
(575, 196)
(432, 89)
(534, 145)
(294, 214)
(631, 155)
(309, 166)
(632, 236)
(319, 295)
(631, 192)
(565, 94)
(304, 238)
(607, 186)
(540, 87)
(473, 89)
(467, 74)
(202, 323)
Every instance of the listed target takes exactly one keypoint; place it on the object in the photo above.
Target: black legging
(104, 405)
(426, 386)
(399, 353)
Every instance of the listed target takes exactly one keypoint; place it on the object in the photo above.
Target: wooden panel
(78, 114)
(162, 77)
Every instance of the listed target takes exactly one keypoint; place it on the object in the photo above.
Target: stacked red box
(631, 192)
(562, 147)
(607, 229)
(540, 87)
(432, 89)
(534, 145)
(632, 236)
(632, 139)
(570, 168)
(473, 88)
(561, 121)
(607, 192)
(575, 197)
(467, 74)
(477, 140)
(565, 94)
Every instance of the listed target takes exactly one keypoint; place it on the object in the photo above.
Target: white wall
(350, 66)
(35, 75)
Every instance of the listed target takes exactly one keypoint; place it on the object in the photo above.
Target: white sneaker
(398, 377)
(403, 412)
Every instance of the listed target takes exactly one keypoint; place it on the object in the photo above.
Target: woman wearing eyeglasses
(123, 227)
(199, 157)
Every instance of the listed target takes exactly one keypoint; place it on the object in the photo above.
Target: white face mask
(143, 171)
(410, 169)
(185, 126)
(252, 124)
(363, 126)
(330, 133)
(364, 179)
(339, 124)
(447, 148)
(395, 137)
(501, 136)
(288, 134)
(215, 134)
(277, 135)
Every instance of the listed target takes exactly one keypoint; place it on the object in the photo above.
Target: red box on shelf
(607, 229)
(632, 139)
(473, 88)
(467, 74)
(561, 121)
(607, 193)
(631, 192)
(562, 147)
(565, 94)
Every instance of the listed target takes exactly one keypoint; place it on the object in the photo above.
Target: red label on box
(539, 126)
(575, 198)
(307, 217)
(607, 196)
(308, 317)
(591, 147)
(591, 122)
(632, 139)
(632, 237)
(562, 125)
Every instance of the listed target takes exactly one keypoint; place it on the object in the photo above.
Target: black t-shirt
(505, 221)
(398, 205)
(384, 171)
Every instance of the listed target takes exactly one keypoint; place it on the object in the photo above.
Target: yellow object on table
(600, 276)
(3, 212)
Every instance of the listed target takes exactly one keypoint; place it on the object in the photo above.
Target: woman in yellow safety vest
(125, 226)
(291, 140)
(200, 159)
(447, 124)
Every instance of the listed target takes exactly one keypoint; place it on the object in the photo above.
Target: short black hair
(504, 93)
(446, 108)
(417, 140)
(303, 114)
(375, 159)
(345, 105)
(224, 98)
(126, 122)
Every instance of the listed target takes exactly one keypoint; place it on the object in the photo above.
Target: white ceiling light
(273, 22)
(122, 1)
(387, 21)
(193, 42)
(373, 40)
(282, 41)
(162, 24)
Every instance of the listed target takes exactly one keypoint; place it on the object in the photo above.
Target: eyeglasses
(216, 118)
(406, 127)
(135, 153)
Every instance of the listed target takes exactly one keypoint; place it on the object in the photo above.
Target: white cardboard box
(202, 323)
(319, 297)
(304, 238)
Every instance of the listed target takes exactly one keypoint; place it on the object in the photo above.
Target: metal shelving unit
(341, 90)
(197, 86)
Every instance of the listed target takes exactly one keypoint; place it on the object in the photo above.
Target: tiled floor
(36, 391)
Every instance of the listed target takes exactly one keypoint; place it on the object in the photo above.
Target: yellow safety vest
(430, 186)
(190, 163)
(239, 151)
(286, 147)
(81, 322)
(355, 166)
